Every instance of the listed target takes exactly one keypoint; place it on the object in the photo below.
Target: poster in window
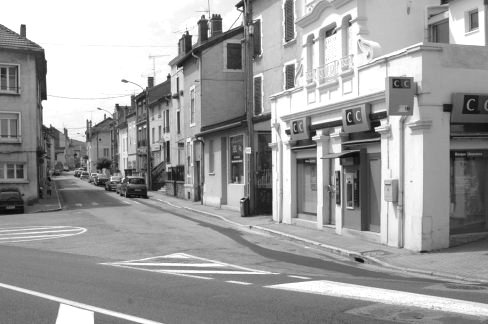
(236, 145)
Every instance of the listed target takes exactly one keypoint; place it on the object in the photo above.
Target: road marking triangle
(71, 315)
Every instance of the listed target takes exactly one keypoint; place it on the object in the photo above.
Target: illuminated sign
(300, 129)
(356, 119)
(469, 108)
(400, 92)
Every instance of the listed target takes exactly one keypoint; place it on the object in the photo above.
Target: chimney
(215, 25)
(202, 29)
(184, 44)
(168, 77)
(23, 31)
(150, 82)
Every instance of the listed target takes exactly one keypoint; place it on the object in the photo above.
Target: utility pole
(249, 102)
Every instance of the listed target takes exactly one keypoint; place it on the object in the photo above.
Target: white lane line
(121, 265)
(25, 234)
(13, 229)
(162, 264)
(208, 271)
(43, 232)
(79, 205)
(79, 305)
(239, 283)
(71, 315)
(95, 204)
(299, 277)
(386, 296)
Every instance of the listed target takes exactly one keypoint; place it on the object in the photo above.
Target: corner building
(386, 137)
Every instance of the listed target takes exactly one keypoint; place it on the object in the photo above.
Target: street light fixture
(148, 165)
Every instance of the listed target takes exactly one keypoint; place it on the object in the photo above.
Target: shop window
(469, 191)
(9, 80)
(237, 159)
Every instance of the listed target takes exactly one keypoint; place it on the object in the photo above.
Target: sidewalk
(468, 262)
(47, 203)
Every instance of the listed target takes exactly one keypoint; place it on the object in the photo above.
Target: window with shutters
(257, 49)
(258, 95)
(289, 76)
(233, 56)
(192, 106)
(289, 19)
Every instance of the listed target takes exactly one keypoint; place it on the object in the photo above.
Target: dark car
(100, 180)
(11, 201)
(133, 186)
(84, 175)
(111, 184)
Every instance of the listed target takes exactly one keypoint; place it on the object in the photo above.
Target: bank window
(237, 159)
(473, 21)
(9, 79)
(9, 126)
(469, 192)
(12, 171)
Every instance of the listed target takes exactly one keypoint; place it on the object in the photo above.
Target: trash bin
(244, 207)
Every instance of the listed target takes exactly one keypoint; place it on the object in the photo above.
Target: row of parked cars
(124, 186)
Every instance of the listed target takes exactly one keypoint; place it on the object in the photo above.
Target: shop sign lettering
(356, 119)
(400, 92)
(300, 129)
(469, 108)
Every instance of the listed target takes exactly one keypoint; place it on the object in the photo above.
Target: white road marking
(71, 315)
(239, 282)
(186, 265)
(299, 277)
(95, 204)
(79, 305)
(386, 296)
(36, 233)
(79, 205)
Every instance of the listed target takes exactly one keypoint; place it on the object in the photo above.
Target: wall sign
(300, 129)
(469, 108)
(399, 95)
(356, 119)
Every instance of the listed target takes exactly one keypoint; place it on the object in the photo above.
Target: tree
(103, 163)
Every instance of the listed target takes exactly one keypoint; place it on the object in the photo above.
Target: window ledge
(14, 181)
(11, 140)
(211, 173)
(290, 43)
(471, 32)
(9, 93)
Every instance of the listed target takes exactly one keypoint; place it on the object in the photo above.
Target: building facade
(98, 143)
(22, 89)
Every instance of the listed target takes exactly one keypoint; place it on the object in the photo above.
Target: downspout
(485, 3)
(401, 186)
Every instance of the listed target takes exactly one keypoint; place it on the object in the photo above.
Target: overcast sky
(91, 45)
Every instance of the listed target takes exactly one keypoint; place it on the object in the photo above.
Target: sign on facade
(400, 92)
(469, 108)
(356, 119)
(300, 129)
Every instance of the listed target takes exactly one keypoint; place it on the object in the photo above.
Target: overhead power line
(99, 98)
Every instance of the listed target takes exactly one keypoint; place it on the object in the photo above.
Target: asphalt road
(109, 259)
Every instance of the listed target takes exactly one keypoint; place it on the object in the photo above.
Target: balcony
(332, 70)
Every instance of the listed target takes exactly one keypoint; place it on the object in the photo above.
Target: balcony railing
(331, 70)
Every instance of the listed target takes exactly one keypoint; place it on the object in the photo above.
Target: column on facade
(337, 136)
(289, 178)
(323, 179)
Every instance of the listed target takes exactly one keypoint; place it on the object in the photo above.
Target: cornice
(317, 11)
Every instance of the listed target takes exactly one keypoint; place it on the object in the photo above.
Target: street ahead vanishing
(110, 259)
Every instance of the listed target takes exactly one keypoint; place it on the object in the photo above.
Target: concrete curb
(344, 252)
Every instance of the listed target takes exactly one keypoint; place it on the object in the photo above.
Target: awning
(342, 154)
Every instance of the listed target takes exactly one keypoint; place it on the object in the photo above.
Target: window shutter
(289, 76)
(258, 95)
(257, 38)
(289, 21)
(234, 56)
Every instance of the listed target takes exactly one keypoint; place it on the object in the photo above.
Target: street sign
(469, 108)
(356, 119)
(400, 92)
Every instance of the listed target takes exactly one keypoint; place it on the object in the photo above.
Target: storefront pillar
(277, 161)
(387, 208)
(289, 183)
(336, 139)
(323, 179)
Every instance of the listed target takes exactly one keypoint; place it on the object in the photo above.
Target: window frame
(286, 37)
(9, 138)
(8, 66)
(469, 20)
(258, 37)
(226, 61)
(4, 171)
(286, 75)
(192, 106)
(233, 162)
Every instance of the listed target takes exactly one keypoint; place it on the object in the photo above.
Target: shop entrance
(307, 188)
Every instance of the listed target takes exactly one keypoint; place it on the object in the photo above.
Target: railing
(331, 70)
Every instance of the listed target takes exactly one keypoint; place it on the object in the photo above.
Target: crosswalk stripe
(71, 315)
(385, 296)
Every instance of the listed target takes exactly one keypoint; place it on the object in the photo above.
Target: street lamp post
(148, 165)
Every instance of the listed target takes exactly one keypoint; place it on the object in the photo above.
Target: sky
(91, 45)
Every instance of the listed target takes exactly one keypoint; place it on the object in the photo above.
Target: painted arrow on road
(186, 265)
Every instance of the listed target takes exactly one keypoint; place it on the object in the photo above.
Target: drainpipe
(401, 186)
(485, 3)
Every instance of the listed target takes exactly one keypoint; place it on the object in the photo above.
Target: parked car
(92, 177)
(133, 186)
(78, 172)
(11, 200)
(101, 179)
(85, 175)
(111, 184)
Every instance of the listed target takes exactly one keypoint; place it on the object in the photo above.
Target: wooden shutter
(258, 95)
(289, 21)
(257, 38)
(234, 56)
(289, 76)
